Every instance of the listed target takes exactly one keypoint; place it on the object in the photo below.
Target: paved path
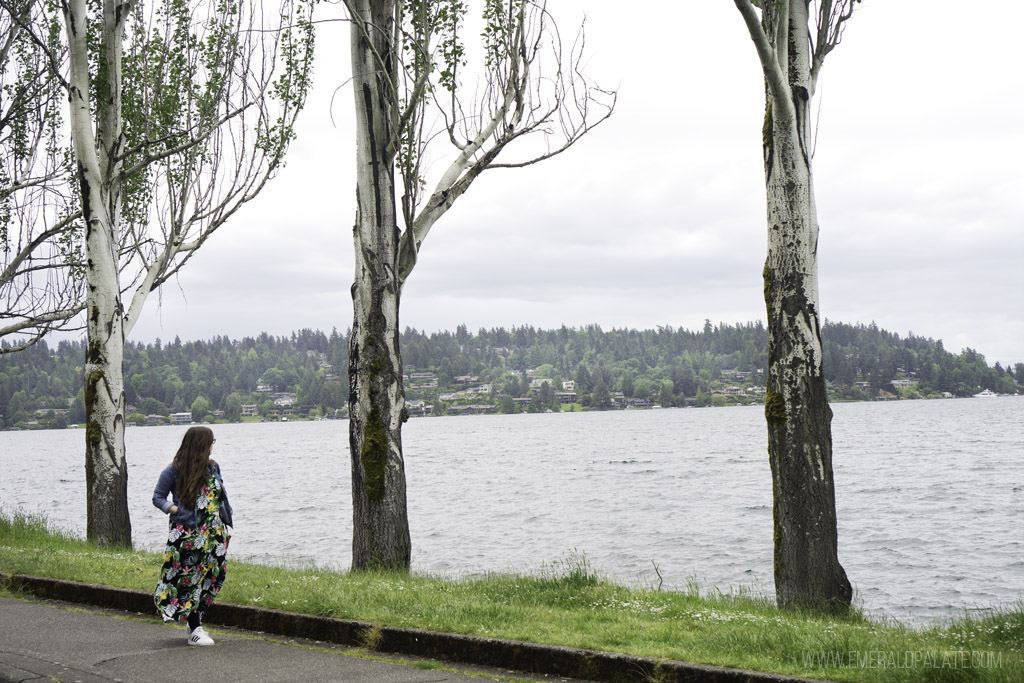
(52, 641)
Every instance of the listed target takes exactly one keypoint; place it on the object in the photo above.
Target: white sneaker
(199, 636)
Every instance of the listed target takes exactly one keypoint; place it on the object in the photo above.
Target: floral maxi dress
(194, 561)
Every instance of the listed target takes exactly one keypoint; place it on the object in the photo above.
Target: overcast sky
(658, 217)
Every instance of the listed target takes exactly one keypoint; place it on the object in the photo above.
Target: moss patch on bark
(774, 408)
(375, 455)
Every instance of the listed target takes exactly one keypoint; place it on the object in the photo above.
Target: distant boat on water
(985, 394)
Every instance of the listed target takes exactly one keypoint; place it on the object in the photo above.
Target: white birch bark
(513, 104)
(380, 525)
(807, 569)
(107, 522)
(206, 154)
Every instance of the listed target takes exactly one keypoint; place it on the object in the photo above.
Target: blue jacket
(186, 514)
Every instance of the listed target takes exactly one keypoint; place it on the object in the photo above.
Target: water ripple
(928, 496)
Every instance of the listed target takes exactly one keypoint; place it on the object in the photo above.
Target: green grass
(569, 604)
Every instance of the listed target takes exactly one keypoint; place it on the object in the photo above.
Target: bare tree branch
(514, 103)
(40, 268)
(831, 20)
(771, 65)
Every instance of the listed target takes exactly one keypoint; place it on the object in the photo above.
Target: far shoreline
(471, 414)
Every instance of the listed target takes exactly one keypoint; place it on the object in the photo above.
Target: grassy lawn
(570, 605)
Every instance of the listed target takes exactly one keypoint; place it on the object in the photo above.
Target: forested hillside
(496, 370)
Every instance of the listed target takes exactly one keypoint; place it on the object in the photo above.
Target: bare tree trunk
(99, 171)
(380, 523)
(403, 57)
(807, 569)
(106, 470)
(181, 116)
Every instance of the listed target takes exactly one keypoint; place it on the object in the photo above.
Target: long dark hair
(192, 463)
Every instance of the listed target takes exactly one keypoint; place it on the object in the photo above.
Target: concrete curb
(505, 654)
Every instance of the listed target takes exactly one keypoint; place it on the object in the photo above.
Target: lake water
(930, 495)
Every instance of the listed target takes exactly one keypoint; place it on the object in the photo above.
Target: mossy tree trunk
(98, 152)
(380, 524)
(404, 55)
(151, 201)
(807, 569)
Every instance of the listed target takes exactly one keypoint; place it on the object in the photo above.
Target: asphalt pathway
(81, 632)
(53, 641)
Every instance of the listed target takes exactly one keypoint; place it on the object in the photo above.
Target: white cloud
(658, 217)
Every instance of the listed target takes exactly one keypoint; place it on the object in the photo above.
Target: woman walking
(197, 542)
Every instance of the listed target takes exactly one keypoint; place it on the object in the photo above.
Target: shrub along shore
(569, 604)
